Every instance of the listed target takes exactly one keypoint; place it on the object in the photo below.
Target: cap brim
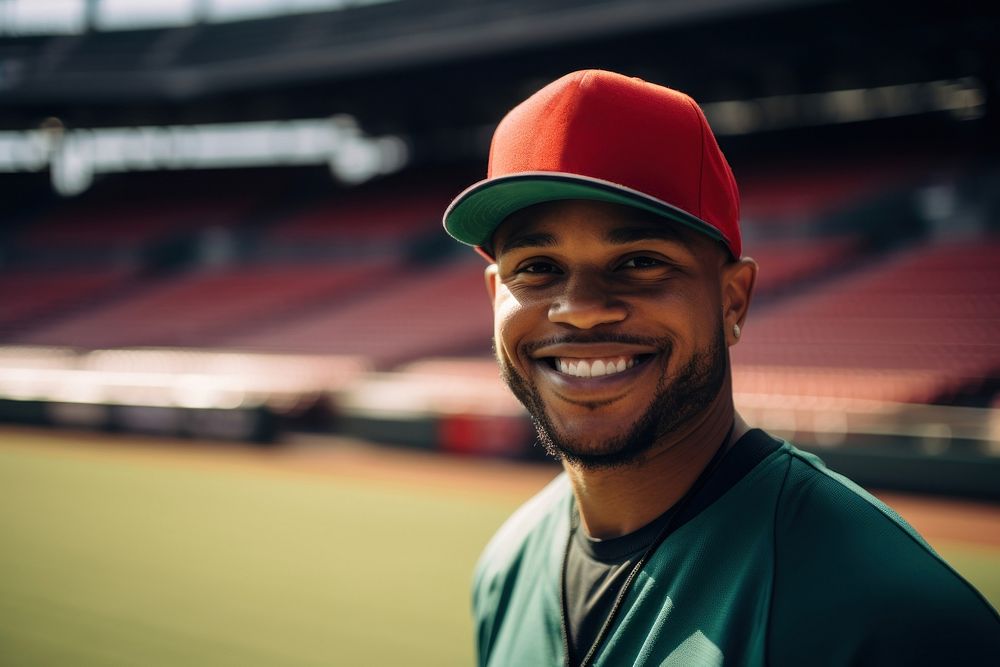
(475, 214)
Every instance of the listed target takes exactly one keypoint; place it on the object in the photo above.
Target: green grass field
(123, 560)
(108, 562)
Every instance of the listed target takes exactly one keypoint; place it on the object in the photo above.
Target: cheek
(701, 329)
(511, 322)
(686, 320)
(709, 314)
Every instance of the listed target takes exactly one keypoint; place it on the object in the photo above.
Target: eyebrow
(623, 235)
(617, 236)
(537, 240)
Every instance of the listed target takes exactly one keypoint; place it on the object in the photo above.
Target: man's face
(609, 326)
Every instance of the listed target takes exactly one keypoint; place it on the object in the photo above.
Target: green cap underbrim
(475, 214)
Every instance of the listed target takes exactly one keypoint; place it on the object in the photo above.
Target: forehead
(561, 222)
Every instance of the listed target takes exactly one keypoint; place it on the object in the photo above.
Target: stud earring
(736, 330)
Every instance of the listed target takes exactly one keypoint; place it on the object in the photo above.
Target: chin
(589, 446)
(597, 449)
(592, 433)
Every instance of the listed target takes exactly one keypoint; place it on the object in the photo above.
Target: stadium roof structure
(194, 60)
(442, 72)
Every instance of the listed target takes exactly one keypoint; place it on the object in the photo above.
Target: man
(677, 535)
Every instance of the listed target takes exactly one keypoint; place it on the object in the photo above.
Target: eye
(641, 262)
(538, 267)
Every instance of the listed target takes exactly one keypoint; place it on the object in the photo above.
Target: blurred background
(248, 411)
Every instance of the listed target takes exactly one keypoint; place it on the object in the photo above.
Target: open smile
(595, 367)
(593, 372)
(593, 381)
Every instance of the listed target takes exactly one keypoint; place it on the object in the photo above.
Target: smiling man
(678, 535)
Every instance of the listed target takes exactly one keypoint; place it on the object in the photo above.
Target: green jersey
(791, 565)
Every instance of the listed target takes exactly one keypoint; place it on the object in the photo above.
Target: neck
(619, 501)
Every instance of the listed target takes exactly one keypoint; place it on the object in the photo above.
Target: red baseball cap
(603, 136)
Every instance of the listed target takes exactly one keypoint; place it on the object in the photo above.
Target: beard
(676, 401)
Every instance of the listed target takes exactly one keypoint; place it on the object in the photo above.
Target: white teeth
(585, 368)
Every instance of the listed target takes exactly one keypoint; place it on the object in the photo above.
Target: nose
(586, 303)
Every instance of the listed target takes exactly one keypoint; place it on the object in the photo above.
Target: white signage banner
(75, 156)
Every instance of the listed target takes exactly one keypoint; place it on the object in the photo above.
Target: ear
(738, 279)
(492, 279)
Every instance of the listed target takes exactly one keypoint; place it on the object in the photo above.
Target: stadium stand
(142, 210)
(200, 308)
(916, 327)
(125, 225)
(386, 217)
(783, 197)
(424, 311)
(386, 223)
(791, 263)
(31, 295)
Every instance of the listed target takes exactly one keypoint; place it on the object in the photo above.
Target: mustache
(601, 337)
